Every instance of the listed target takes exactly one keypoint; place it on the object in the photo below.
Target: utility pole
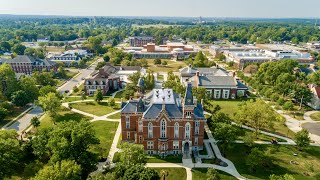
(301, 102)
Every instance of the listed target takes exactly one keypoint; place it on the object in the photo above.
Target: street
(77, 80)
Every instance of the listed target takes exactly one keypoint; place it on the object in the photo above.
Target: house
(315, 101)
(27, 64)
(164, 123)
(44, 39)
(110, 78)
(218, 82)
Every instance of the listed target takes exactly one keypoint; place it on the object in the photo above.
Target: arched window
(196, 129)
(140, 125)
(176, 130)
(187, 131)
(163, 129)
(150, 130)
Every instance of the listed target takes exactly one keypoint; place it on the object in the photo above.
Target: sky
(175, 8)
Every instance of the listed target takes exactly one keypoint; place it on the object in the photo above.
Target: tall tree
(66, 169)
(302, 138)
(256, 114)
(98, 96)
(9, 83)
(50, 104)
(18, 49)
(132, 154)
(11, 153)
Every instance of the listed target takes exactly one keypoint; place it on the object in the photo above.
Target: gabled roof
(214, 80)
(190, 71)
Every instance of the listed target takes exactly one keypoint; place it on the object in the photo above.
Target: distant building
(27, 64)
(44, 39)
(170, 50)
(69, 56)
(218, 83)
(164, 123)
(140, 41)
(241, 58)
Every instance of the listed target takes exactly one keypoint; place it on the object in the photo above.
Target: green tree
(314, 78)
(256, 115)
(302, 138)
(35, 122)
(18, 49)
(199, 60)
(106, 58)
(44, 78)
(3, 113)
(98, 96)
(75, 89)
(28, 85)
(20, 98)
(66, 169)
(288, 106)
(164, 63)
(83, 96)
(50, 104)
(134, 78)
(9, 82)
(257, 159)
(5, 46)
(94, 44)
(249, 139)
(43, 91)
(213, 174)
(200, 93)
(112, 102)
(11, 153)
(72, 140)
(157, 61)
(132, 154)
(279, 177)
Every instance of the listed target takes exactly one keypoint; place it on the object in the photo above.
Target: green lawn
(75, 98)
(315, 116)
(64, 115)
(94, 108)
(173, 173)
(119, 95)
(172, 65)
(105, 131)
(201, 174)
(115, 116)
(261, 137)
(227, 106)
(308, 161)
(168, 159)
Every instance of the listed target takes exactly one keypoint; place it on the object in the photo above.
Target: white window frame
(140, 125)
(176, 130)
(187, 130)
(196, 141)
(175, 144)
(150, 145)
(217, 94)
(163, 129)
(150, 130)
(225, 94)
(188, 114)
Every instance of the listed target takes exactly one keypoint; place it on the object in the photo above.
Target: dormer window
(188, 114)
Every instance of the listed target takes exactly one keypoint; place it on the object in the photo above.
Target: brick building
(139, 41)
(164, 123)
(218, 82)
(27, 64)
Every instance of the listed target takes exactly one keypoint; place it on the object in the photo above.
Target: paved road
(77, 80)
(25, 120)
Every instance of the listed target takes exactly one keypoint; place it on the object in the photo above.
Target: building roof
(214, 80)
(28, 59)
(191, 71)
(172, 105)
(188, 98)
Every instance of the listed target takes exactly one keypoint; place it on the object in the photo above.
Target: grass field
(227, 106)
(168, 159)
(201, 174)
(94, 108)
(231, 106)
(315, 116)
(115, 116)
(308, 161)
(105, 132)
(64, 115)
(173, 173)
(172, 65)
